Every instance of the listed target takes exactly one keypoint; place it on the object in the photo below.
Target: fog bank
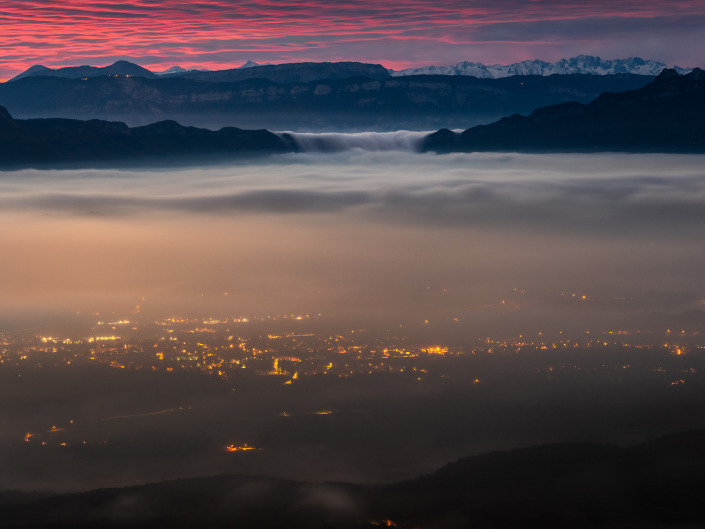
(373, 235)
(364, 141)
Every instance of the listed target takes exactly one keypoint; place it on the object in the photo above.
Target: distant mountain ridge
(315, 98)
(667, 115)
(297, 72)
(582, 64)
(121, 68)
(286, 73)
(178, 70)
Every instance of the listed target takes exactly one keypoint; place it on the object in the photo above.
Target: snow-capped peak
(172, 70)
(250, 64)
(178, 69)
(582, 64)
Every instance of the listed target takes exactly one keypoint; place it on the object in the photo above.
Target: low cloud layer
(633, 195)
(353, 233)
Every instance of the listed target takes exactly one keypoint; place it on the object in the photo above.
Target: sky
(219, 34)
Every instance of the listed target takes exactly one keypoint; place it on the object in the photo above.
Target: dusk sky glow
(220, 34)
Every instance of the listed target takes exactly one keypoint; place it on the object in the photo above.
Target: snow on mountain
(582, 64)
(175, 70)
(250, 64)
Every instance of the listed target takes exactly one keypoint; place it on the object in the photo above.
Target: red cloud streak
(219, 33)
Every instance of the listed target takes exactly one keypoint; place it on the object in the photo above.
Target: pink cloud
(219, 33)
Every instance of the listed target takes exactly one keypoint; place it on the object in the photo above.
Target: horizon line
(232, 66)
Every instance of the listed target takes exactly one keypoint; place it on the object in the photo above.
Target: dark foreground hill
(291, 97)
(667, 115)
(67, 142)
(658, 484)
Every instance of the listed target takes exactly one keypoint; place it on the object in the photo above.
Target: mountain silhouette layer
(53, 142)
(305, 97)
(667, 115)
(657, 484)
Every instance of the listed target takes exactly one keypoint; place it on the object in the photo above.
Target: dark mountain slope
(656, 485)
(52, 142)
(667, 115)
(299, 72)
(246, 502)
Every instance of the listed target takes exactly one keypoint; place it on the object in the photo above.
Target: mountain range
(582, 64)
(313, 97)
(667, 115)
(282, 73)
(178, 70)
(119, 68)
(319, 97)
(657, 484)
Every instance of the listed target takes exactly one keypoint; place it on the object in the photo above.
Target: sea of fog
(373, 234)
(365, 233)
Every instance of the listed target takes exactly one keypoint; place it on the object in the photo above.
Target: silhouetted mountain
(250, 64)
(567, 485)
(668, 115)
(353, 103)
(298, 72)
(121, 68)
(657, 484)
(48, 142)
